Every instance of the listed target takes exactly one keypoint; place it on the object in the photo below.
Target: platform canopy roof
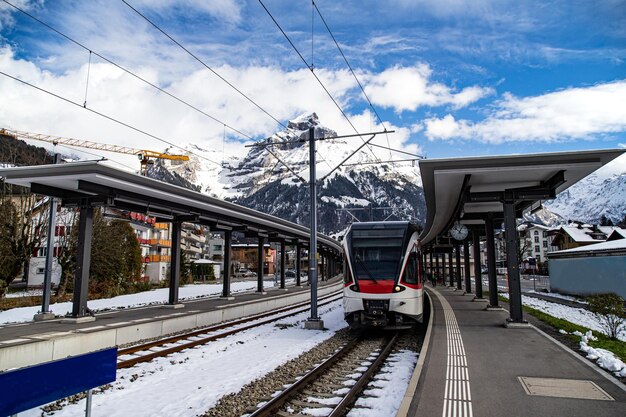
(92, 183)
(467, 189)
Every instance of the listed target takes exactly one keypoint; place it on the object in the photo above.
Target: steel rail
(290, 311)
(270, 408)
(356, 389)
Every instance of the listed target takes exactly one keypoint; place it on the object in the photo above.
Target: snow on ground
(190, 382)
(158, 296)
(557, 295)
(389, 387)
(573, 315)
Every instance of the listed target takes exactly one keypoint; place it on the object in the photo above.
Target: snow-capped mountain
(602, 193)
(545, 217)
(362, 189)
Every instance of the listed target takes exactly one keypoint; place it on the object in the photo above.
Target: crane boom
(143, 154)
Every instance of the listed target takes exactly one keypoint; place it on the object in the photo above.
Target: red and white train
(382, 275)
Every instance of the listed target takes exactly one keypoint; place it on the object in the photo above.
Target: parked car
(245, 272)
(290, 273)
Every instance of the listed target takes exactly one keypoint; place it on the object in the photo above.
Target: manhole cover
(565, 388)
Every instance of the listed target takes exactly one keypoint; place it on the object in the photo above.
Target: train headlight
(354, 288)
(398, 288)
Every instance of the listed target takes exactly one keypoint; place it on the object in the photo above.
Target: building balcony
(194, 237)
(158, 258)
(161, 242)
(192, 249)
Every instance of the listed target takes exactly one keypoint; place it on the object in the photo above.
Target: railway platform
(475, 366)
(30, 343)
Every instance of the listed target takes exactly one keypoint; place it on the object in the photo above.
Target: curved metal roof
(82, 181)
(475, 186)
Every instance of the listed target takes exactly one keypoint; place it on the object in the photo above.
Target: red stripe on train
(376, 287)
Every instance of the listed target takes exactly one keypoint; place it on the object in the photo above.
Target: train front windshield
(377, 253)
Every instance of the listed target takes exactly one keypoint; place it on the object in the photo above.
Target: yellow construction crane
(145, 156)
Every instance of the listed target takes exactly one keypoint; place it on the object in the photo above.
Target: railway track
(332, 387)
(146, 352)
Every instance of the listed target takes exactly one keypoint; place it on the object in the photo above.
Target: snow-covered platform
(474, 366)
(35, 342)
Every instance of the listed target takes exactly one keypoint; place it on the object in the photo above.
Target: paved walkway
(476, 367)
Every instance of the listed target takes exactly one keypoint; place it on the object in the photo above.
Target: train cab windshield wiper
(367, 271)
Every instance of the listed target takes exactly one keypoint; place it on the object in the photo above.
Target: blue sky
(453, 78)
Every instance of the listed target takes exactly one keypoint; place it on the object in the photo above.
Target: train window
(410, 272)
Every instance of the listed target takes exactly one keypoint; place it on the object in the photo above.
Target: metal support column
(443, 269)
(228, 237)
(438, 273)
(175, 262)
(430, 264)
(512, 260)
(259, 268)
(478, 280)
(459, 285)
(451, 269)
(83, 260)
(314, 321)
(282, 264)
(491, 262)
(466, 259)
(45, 312)
(298, 266)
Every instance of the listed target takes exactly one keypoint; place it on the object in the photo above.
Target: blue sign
(26, 388)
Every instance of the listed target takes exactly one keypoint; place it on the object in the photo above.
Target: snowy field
(158, 296)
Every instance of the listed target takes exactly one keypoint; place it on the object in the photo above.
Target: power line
(136, 129)
(351, 70)
(203, 63)
(74, 41)
(310, 67)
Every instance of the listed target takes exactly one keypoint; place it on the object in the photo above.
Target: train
(383, 275)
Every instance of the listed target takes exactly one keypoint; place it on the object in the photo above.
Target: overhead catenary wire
(136, 129)
(351, 70)
(314, 74)
(157, 27)
(77, 43)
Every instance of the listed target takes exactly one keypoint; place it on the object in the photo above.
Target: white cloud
(229, 10)
(407, 88)
(284, 94)
(573, 113)
(6, 11)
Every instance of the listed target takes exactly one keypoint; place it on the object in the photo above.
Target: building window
(545, 234)
(536, 239)
(217, 247)
(40, 271)
(536, 233)
(536, 248)
(545, 243)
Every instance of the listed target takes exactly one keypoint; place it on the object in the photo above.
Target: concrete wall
(46, 347)
(589, 275)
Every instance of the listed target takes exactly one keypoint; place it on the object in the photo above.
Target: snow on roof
(607, 230)
(579, 235)
(613, 245)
